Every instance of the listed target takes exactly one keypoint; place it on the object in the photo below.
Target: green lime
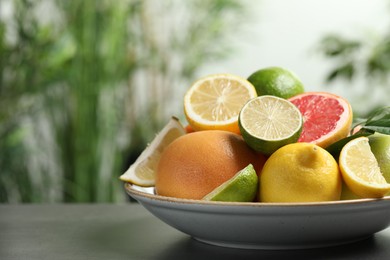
(380, 147)
(268, 123)
(242, 187)
(276, 81)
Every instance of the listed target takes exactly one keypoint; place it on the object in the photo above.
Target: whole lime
(276, 81)
(380, 146)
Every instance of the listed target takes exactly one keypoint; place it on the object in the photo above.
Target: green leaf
(379, 117)
(377, 121)
(379, 129)
(335, 148)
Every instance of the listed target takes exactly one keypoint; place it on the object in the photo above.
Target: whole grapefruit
(195, 164)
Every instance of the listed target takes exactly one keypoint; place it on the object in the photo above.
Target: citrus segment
(242, 187)
(195, 164)
(300, 172)
(327, 117)
(142, 171)
(214, 102)
(276, 81)
(360, 170)
(268, 122)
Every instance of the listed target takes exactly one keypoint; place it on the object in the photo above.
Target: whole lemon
(300, 172)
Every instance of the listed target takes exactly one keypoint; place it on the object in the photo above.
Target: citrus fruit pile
(264, 139)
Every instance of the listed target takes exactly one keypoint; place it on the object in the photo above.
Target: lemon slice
(214, 102)
(360, 170)
(142, 171)
(268, 123)
(242, 187)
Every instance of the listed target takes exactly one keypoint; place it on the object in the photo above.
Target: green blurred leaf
(335, 45)
(379, 120)
(346, 71)
(76, 85)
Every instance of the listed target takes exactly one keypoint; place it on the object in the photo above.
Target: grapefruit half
(327, 117)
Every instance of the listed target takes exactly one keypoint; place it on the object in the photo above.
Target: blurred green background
(84, 85)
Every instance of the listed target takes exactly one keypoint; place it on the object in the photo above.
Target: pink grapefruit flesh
(327, 117)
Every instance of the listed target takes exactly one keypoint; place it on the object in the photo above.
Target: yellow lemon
(214, 102)
(361, 171)
(300, 172)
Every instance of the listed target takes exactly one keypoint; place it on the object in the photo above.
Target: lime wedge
(242, 187)
(268, 123)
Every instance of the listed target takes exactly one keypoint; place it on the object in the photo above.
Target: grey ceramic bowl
(269, 225)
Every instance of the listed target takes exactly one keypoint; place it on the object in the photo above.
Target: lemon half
(214, 102)
(361, 171)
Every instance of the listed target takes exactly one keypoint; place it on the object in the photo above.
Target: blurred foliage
(366, 58)
(353, 57)
(85, 86)
(345, 51)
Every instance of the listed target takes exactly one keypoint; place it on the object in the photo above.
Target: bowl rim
(148, 193)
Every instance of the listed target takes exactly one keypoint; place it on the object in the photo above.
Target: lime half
(268, 123)
(242, 187)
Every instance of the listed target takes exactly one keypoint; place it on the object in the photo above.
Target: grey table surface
(128, 231)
